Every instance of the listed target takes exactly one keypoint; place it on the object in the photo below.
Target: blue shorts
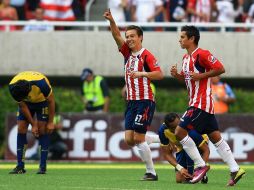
(184, 160)
(201, 121)
(40, 109)
(139, 115)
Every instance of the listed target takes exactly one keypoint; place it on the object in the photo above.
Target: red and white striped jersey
(200, 92)
(143, 60)
(57, 10)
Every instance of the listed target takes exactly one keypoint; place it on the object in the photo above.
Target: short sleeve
(208, 61)
(164, 140)
(44, 87)
(152, 63)
(125, 50)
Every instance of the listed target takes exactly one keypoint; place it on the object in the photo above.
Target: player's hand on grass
(50, 128)
(185, 173)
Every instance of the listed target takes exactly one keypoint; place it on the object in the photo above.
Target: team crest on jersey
(212, 59)
(132, 65)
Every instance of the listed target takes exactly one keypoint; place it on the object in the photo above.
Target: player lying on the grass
(169, 144)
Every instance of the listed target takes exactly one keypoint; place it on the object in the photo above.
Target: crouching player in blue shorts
(34, 95)
(169, 144)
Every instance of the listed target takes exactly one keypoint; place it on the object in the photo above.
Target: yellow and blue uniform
(34, 90)
(182, 158)
(36, 99)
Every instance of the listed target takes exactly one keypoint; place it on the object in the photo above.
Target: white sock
(145, 154)
(190, 147)
(152, 139)
(225, 153)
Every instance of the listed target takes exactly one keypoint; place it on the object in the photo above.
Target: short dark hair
(134, 27)
(170, 117)
(191, 31)
(20, 89)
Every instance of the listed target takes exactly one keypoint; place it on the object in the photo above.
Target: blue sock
(44, 144)
(21, 149)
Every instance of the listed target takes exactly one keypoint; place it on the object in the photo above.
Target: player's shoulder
(32, 74)
(146, 52)
(149, 58)
(202, 52)
(162, 128)
(27, 75)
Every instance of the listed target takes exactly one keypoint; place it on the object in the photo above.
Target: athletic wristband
(179, 167)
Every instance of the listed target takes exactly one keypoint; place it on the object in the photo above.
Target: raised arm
(114, 28)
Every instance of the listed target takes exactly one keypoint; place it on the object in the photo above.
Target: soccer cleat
(150, 177)
(42, 170)
(199, 173)
(204, 180)
(235, 177)
(18, 170)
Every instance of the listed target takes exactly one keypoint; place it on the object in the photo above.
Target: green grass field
(112, 177)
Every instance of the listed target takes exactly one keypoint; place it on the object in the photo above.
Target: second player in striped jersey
(198, 67)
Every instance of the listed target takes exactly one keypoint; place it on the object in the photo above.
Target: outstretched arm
(114, 29)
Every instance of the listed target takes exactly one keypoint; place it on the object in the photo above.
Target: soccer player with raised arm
(34, 95)
(198, 66)
(140, 68)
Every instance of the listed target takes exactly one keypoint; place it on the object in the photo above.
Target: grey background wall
(67, 53)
